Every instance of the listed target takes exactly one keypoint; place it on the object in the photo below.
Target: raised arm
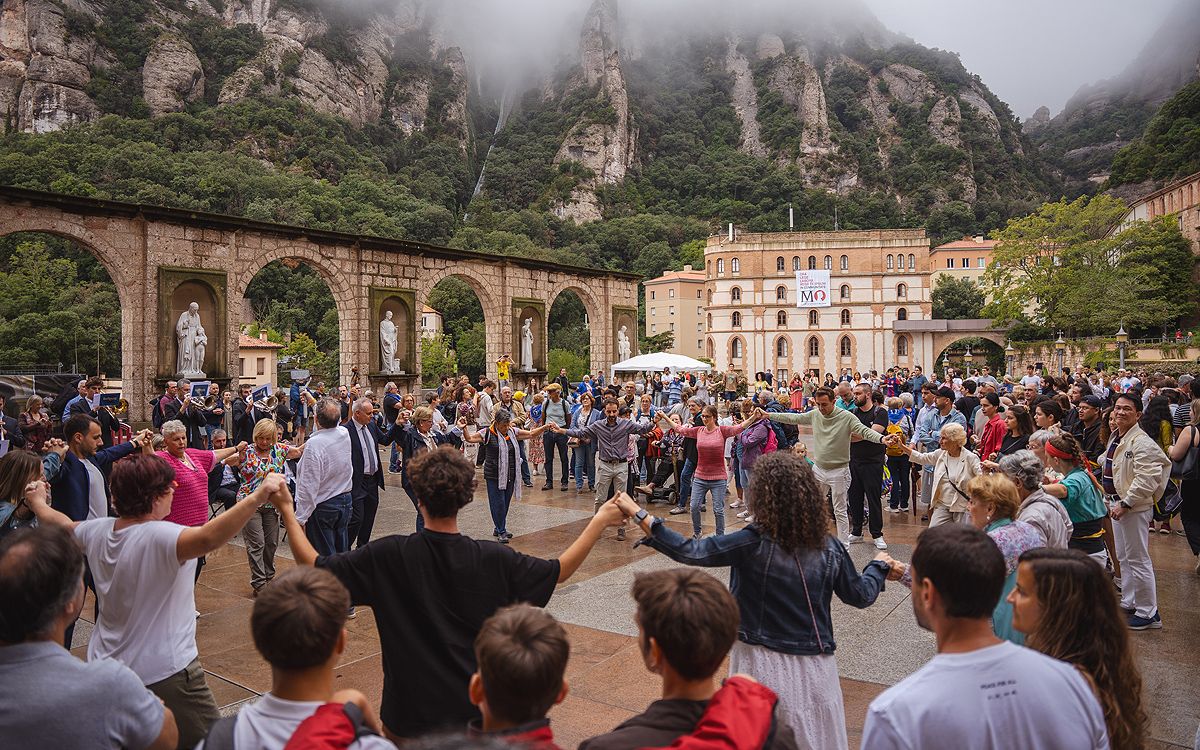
(200, 540)
(37, 497)
(570, 560)
(788, 417)
(530, 434)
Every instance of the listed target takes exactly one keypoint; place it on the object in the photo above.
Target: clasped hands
(896, 568)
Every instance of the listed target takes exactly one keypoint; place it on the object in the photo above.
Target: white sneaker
(743, 514)
(879, 543)
(852, 539)
(750, 518)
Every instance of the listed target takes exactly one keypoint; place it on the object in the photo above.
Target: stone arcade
(162, 260)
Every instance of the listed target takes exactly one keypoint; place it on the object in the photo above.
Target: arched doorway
(982, 352)
(289, 303)
(61, 317)
(568, 336)
(461, 347)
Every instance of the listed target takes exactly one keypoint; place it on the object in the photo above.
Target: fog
(1029, 52)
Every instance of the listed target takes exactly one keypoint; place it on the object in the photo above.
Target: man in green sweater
(833, 430)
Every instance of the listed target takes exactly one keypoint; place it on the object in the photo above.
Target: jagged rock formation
(1039, 121)
(604, 140)
(745, 99)
(172, 76)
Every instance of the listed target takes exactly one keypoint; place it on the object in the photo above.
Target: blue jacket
(780, 609)
(69, 479)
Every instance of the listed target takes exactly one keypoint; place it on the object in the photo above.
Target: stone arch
(496, 331)
(601, 333)
(116, 263)
(349, 301)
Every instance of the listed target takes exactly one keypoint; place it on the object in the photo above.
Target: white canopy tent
(659, 361)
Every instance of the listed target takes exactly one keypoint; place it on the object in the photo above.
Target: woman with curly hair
(784, 570)
(1063, 602)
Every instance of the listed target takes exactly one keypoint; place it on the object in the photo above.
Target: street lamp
(967, 358)
(1060, 348)
(1010, 355)
(1122, 342)
(946, 364)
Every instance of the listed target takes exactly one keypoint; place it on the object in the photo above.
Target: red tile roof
(253, 342)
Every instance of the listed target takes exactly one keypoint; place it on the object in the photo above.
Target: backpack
(156, 415)
(790, 433)
(894, 428)
(772, 443)
(330, 726)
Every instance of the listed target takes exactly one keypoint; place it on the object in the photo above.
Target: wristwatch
(640, 515)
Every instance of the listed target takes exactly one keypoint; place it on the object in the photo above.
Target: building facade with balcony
(675, 302)
(877, 277)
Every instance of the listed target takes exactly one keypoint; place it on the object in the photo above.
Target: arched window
(781, 347)
(710, 292)
(735, 265)
(845, 291)
(781, 319)
(912, 262)
(736, 319)
(891, 262)
(735, 349)
(845, 317)
(812, 262)
(901, 291)
(845, 346)
(845, 262)
(779, 266)
(795, 262)
(720, 265)
(828, 262)
(710, 321)
(708, 268)
(781, 294)
(902, 346)
(710, 348)
(813, 317)
(902, 314)
(735, 294)
(814, 347)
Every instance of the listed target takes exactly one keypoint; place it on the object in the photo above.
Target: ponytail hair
(1067, 443)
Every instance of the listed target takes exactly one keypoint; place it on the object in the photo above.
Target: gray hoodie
(1048, 515)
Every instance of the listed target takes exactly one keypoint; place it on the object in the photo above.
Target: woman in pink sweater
(710, 473)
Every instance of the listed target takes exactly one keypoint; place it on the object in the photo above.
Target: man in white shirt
(324, 480)
(299, 627)
(978, 692)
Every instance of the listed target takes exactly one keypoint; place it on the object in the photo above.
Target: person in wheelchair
(670, 461)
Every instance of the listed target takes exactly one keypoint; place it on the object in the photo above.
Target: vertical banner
(812, 289)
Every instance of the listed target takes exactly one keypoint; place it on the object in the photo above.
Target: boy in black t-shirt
(432, 591)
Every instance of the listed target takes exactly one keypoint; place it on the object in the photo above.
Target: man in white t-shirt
(299, 627)
(979, 692)
(1031, 379)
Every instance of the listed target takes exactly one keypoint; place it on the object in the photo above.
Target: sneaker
(893, 509)
(1145, 623)
(563, 488)
(506, 535)
(621, 534)
(546, 487)
(503, 539)
(735, 504)
(528, 484)
(352, 613)
(703, 508)
(879, 543)
(677, 510)
(854, 539)
(393, 471)
(696, 537)
(743, 514)
(750, 518)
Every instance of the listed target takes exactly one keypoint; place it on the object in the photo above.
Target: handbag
(1186, 467)
(1168, 505)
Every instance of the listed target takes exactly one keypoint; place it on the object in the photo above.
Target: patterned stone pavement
(876, 647)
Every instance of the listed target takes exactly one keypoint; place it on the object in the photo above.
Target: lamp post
(946, 364)
(1060, 348)
(1122, 342)
(968, 358)
(1009, 356)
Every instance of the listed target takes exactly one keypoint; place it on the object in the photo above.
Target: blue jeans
(394, 459)
(685, 482)
(901, 474)
(585, 464)
(498, 502)
(717, 487)
(327, 527)
(745, 475)
(420, 518)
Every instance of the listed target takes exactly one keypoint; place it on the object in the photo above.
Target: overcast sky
(1031, 52)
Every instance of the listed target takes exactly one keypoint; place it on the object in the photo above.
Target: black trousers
(552, 441)
(866, 482)
(364, 504)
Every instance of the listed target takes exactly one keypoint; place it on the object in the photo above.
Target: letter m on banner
(812, 289)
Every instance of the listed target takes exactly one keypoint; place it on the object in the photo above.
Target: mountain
(650, 128)
(1103, 118)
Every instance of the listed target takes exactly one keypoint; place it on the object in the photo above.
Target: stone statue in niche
(527, 346)
(191, 343)
(388, 344)
(623, 348)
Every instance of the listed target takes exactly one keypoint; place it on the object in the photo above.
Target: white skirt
(810, 695)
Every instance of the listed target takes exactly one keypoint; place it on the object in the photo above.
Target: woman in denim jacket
(785, 569)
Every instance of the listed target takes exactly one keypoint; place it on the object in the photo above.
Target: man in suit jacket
(10, 430)
(416, 436)
(223, 480)
(82, 404)
(243, 417)
(76, 469)
(365, 437)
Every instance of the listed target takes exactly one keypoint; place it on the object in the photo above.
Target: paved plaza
(876, 647)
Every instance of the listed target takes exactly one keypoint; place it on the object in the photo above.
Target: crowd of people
(1039, 495)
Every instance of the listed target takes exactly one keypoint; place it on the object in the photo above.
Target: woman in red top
(796, 388)
(710, 473)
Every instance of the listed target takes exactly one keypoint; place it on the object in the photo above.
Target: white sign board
(812, 289)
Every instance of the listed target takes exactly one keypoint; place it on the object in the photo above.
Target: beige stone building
(431, 322)
(1182, 198)
(675, 302)
(967, 258)
(877, 277)
(257, 359)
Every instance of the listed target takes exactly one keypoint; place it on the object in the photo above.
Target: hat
(1092, 401)
(945, 392)
(519, 395)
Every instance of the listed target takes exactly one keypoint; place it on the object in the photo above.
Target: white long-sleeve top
(325, 470)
